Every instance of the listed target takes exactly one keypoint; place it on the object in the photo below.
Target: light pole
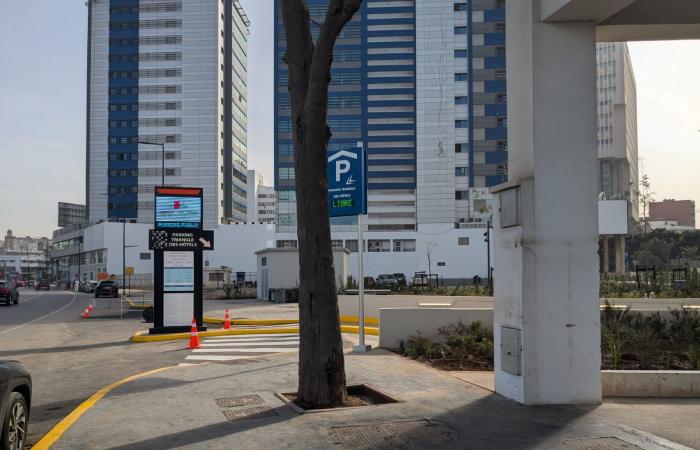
(162, 158)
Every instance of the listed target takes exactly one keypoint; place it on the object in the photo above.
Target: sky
(42, 109)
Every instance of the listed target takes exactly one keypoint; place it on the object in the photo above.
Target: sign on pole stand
(347, 196)
(177, 243)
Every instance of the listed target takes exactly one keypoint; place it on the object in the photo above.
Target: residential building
(71, 214)
(261, 199)
(618, 172)
(617, 126)
(167, 72)
(23, 257)
(681, 211)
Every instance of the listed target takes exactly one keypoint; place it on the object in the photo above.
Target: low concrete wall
(651, 383)
(348, 303)
(396, 324)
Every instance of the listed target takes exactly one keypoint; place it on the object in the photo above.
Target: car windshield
(3, 284)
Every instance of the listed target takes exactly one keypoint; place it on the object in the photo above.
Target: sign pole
(361, 280)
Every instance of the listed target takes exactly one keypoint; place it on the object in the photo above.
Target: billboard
(178, 208)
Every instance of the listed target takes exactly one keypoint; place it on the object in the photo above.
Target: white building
(617, 125)
(261, 199)
(172, 73)
(23, 256)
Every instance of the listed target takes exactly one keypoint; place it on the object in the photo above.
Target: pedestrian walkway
(232, 348)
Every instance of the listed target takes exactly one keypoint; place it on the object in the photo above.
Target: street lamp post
(162, 158)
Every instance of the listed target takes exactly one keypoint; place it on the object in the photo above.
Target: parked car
(15, 403)
(43, 284)
(400, 279)
(31, 283)
(387, 281)
(8, 293)
(20, 283)
(370, 283)
(107, 288)
(90, 286)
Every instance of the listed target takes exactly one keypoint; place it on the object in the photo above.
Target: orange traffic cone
(194, 336)
(227, 320)
(90, 308)
(85, 314)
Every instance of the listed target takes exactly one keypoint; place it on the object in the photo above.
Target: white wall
(235, 245)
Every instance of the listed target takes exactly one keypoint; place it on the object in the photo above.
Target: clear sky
(42, 109)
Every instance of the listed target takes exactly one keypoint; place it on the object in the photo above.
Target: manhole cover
(601, 443)
(255, 412)
(241, 400)
(367, 436)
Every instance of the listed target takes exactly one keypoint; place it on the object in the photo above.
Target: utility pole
(487, 239)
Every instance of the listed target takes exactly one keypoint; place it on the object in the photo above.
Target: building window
(462, 241)
(461, 148)
(335, 243)
(461, 171)
(460, 30)
(460, 7)
(263, 261)
(404, 245)
(502, 98)
(461, 77)
(379, 245)
(461, 195)
(287, 244)
(461, 124)
(144, 256)
(502, 122)
(461, 53)
(351, 245)
(462, 100)
(501, 75)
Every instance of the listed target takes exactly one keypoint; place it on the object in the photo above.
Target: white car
(90, 286)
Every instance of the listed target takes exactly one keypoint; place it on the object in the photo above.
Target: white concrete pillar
(546, 262)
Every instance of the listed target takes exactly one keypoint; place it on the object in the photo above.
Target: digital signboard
(347, 193)
(178, 208)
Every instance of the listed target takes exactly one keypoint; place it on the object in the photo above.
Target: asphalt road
(70, 358)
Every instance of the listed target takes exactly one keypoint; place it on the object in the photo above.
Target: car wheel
(15, 423)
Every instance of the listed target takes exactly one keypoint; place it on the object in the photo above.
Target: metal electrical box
(511, 350)
(509, 208)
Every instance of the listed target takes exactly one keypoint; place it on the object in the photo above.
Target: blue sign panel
(347, 190)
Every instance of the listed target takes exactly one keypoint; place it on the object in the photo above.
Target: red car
(42, 284)
(8, 293)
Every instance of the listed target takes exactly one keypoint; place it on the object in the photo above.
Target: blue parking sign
(347, 190)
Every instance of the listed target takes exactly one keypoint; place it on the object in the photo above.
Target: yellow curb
(343, 319)
(356, 319)
(142, 336)
(234, 321)
(61, 427)
(133, 305)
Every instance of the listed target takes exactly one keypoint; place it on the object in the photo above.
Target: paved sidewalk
(177, 408)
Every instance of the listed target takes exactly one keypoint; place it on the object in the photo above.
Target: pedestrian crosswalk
(232, 348)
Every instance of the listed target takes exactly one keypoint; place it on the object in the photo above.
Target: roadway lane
(70, 358)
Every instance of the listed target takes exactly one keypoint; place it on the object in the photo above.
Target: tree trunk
(321, 362)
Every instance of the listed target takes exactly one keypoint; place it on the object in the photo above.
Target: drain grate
(367, 436)
(255, 412)
(600, 443)
(241, 400)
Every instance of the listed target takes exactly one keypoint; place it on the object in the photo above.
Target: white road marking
(217, 357)
(291, 344)
(42, 317)
(255, 336)
(245, 350)
(286, 339)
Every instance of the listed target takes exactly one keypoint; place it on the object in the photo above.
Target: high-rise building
(70, 214)
(173, 73)
(617, 126)
(421, 84)
(261, 199)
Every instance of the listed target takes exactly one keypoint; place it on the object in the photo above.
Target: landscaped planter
(651, 383)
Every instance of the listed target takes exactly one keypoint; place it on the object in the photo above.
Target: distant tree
(646, 196)
(653, 252)
(321, 362)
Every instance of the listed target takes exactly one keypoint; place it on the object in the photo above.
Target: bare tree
(321, 362)
(429, 247)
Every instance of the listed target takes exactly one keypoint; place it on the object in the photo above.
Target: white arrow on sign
(205, 243)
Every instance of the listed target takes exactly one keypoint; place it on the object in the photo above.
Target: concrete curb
(351, 320)
(133, 305)
(142, 336)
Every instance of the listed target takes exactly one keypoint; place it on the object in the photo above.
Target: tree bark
(321, 362)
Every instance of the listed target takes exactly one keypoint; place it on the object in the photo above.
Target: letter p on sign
(341, 166)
